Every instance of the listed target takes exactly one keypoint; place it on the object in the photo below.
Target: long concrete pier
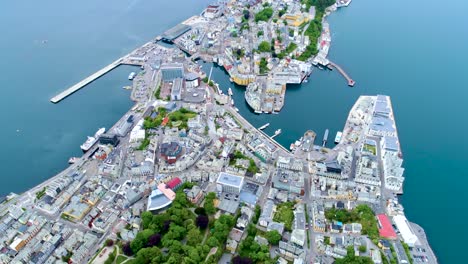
(350, 81)
(59, 97)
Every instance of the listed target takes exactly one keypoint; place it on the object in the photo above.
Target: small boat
(230, 91)
(131, 76)
(264, 126)
(292, 146)
(231, 80)
(237, 109)
(338, 137)
(72, 160)
(257, 111)
(128, 87)
(232, 101)
(277, 132)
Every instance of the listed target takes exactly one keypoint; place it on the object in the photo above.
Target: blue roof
(391, 143)
(382, 124)
(248, 198)
(229, 179)
(157, 200)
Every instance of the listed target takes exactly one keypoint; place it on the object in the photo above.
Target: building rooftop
(173, 183)
(157, 200)
(385, 227)
(230, 179)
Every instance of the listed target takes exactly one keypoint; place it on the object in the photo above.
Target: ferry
(230, 91)
(92, 140)
(264, 126)
(131, 76)
(72, 160)
(338, 137)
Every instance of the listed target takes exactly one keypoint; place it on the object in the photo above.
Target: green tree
(273, 237)
(193, 237)
(264, 46)
(149, 255)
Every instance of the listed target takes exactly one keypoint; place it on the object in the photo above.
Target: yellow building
(295, 20)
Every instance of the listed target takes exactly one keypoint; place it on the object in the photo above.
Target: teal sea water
(413, 51)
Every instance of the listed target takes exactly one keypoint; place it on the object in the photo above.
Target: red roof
(165, 121)
(173, 183)
(385, 228)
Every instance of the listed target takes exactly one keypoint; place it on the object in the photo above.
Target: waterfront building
(406, 232)
(172, 71)
(229, 183)
(392, 163)
(192, 80)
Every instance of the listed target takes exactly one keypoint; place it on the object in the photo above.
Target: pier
(59, 97)
(350, 81)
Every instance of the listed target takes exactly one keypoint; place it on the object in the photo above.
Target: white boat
(257, 112)
(277, 132)
(232, 101)
(264, 126)
(230, 91)
(92, 140)
(292, 146)
(231, 80)
(131, 76)
(237, 109)
(72, 160)
(338, 137)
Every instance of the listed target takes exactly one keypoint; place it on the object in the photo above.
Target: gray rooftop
(391, 143)
(229, 179)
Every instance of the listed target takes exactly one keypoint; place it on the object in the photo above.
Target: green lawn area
(177, 118)
(370, 149)
(121, 258)
(284, 214)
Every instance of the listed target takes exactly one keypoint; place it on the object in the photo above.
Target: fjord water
(413, 51)
(47, 46)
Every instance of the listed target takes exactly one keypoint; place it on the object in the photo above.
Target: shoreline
(85, 156)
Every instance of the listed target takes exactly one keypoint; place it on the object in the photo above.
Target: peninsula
(182, 177)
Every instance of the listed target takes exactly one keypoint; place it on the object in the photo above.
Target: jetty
(350, 81)
(59, 97)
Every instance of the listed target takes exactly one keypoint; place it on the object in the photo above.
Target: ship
(264, 126)
(343, 3)
(131, 76)
(325, 138)
(230, 91)
(338, 137)
(92, 140)
(72, 160)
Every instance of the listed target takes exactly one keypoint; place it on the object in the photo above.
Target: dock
(350, 81)
(59, 97)
(325, 138)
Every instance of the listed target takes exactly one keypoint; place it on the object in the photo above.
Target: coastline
(84, 157)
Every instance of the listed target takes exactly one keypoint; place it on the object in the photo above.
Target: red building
(385, 227)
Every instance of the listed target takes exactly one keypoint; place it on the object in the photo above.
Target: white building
(229, 183)
(392, 161)
(406, 232)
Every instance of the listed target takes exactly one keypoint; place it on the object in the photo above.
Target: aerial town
(182, 177)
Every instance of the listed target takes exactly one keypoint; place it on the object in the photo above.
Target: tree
(193, 237)
(127, 249)
(205, 80)
(109, 243)
(273, 237)
(362, 249)
(241, 260)
(264, 46)
(154, 240)
(141, 240)
(149, 255)
(200, 211)
(202, 221)
(212, 242)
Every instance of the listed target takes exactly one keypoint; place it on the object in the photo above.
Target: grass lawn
(284, 214)
(121, 259)
(370, 149)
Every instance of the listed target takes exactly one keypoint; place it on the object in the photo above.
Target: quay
(350, 81)
(59, 97)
